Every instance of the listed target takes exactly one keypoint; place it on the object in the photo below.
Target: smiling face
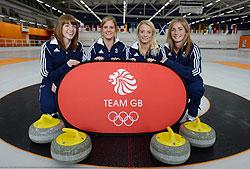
(108, 30)
(145, 34)
(178, 32)
(68, 31)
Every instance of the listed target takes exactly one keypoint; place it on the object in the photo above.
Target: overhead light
(47, 5)
(240, 8)
(244, 16)
(41, 2)
(209, 4)
(124, 11)
(82, 2)
(166, 4)
(86, 6)
(235, 19)
(221, 14)
(229, 11)
(217, 1)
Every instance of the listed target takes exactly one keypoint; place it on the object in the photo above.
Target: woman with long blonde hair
(146, 47)
(184, 57)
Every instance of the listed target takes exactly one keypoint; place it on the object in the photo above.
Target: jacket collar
(135, 45)
(54, 41)
(101, 42)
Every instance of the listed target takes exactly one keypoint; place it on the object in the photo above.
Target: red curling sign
(121, 97)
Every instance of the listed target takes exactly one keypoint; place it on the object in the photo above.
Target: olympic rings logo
(123, 118)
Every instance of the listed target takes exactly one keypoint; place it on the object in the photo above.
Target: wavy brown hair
(187, 40)
(66, 19)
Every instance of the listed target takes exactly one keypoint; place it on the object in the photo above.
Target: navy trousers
(47, 99)
(195, 92)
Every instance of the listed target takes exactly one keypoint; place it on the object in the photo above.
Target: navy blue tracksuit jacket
(189, 68)
(134, 52)
(118, 50)
(53, 67)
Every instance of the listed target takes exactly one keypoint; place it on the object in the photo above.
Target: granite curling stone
(71, 147)
(170, 148)
(198, 134)
(45, 129)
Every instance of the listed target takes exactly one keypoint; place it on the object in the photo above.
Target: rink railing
(5, 42)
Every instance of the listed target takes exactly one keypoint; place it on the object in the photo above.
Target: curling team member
(58, 56)
(108, 47)
(185, 58)
(146, 47)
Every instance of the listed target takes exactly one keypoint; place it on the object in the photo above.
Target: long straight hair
(154, 45)
(66, 19)
(187, 39)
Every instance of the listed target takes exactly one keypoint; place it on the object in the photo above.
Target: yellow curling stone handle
(46, 121)
(197, 126)
(170, 138)
(70, 137)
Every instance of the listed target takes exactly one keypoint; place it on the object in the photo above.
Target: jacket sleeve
(161, 56)
(82, 57)
(124, 52)
(91, 52)
(129, 54)
(47, 68)
(191, 71)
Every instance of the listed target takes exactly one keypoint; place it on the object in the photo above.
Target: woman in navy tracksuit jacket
(108, 47)
(185, 58)
(58, 56)
(146, 47)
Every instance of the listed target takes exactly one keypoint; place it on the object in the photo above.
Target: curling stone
(170, 148)
(45, 129)
(198, 134)
(71, 147)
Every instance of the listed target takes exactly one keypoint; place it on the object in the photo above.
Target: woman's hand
(132, 59)
(99, 58)
(73, 62)
(151, 60)
(115, 59)
(53, 88)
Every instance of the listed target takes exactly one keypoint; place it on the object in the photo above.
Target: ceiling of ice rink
(160, 11)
